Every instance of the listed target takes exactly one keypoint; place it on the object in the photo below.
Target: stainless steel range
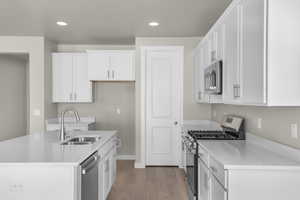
(231, 128)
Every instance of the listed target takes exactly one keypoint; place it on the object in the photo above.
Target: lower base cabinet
(107, 169)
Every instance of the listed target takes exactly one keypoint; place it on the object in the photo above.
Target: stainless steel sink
(81, 140)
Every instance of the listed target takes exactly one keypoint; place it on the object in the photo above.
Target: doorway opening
(14, 90)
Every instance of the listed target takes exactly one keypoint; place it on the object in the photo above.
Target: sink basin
(82, 140)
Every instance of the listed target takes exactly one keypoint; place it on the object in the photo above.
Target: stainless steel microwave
(213, 78)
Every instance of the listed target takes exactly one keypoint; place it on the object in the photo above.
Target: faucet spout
(62, 122)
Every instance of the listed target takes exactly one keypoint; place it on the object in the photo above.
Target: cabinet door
(204, 182)
(82, 86)
(62, 69)
(98, 66)
(231, 62)
(101, 180)
(216, 54)
(252, 51)
(122, 66)
(113, 173)
(104, 178)
(197, 75)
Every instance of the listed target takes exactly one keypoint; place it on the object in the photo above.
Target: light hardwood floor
(152, 183)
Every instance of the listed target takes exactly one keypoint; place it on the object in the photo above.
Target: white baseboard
(139, 165)
(126, 157)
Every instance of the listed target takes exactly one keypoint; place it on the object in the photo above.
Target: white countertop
(248, 154)
(71, 121)
(46, 148)
(253, 153)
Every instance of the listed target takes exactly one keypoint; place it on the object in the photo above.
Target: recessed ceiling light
(61, 23)
(153, 24)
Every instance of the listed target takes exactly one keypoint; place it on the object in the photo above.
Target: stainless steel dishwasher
(89, 178)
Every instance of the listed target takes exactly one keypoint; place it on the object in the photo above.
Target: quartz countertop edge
(46, 149)
(249, 155)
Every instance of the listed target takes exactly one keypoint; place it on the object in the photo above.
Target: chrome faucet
(62, 123)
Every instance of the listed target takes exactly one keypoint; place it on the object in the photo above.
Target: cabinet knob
(175, 123)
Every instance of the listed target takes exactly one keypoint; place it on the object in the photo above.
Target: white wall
(13, 101)
(191, 110)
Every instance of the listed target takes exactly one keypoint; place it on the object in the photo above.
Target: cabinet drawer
(203, 154)
(217, 170)
(107, 147)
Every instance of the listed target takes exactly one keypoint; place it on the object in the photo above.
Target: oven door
(192, 171)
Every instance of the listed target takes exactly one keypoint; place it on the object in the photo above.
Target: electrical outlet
(214, 113)
(259, 123)
(36, 112)
(118, 111)
(294, 131)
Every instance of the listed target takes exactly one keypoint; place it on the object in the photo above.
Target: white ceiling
(108, 21)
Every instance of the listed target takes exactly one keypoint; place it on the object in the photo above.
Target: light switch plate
(118, 111)
(37, 112)
(294, 131)
(259, 123)
(214, 113)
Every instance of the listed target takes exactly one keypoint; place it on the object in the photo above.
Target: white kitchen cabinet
(111, 65)
(260, 59)
(107, 168)
(252, 52)
(231, 62)
(70, 80)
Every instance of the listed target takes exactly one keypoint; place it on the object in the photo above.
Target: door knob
(175, 123)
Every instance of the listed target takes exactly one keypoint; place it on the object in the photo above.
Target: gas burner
(211, 135)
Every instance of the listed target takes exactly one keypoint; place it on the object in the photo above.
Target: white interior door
(163, 105)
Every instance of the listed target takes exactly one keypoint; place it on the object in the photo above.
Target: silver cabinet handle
(108, 75)
(113, 74)
(71, 96)
(236, 90)
(199, 95)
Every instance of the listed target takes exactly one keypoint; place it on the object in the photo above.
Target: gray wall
(34, 46)
(50, 108)
(108, 98)
(13, 101)
(275, 121)
(191, 110)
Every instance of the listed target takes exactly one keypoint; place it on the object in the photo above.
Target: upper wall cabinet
(111, 65)
(260, 52)
(70, 78)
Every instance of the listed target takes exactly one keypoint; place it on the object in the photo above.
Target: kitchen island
(38, 166)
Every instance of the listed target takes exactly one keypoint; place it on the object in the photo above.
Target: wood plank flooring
(152, 183)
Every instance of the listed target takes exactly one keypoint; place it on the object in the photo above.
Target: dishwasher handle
(89, 164)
